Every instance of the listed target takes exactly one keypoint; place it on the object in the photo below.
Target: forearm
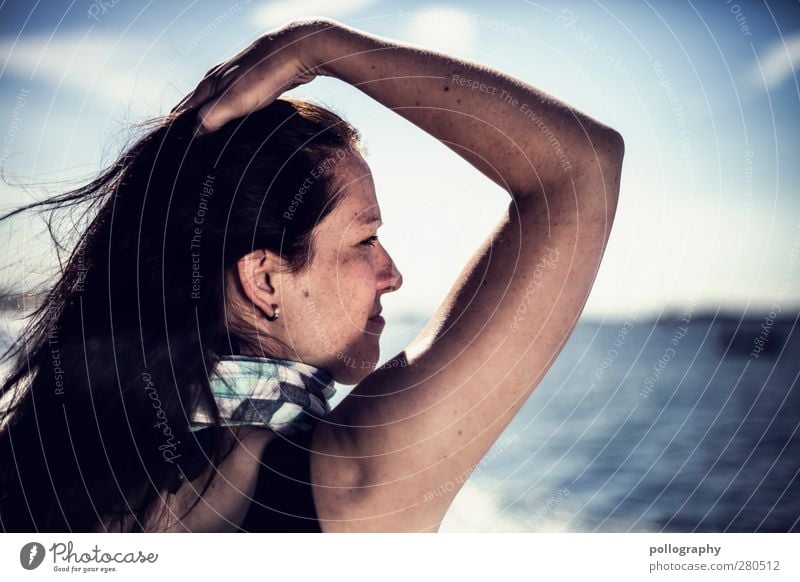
(515, 134)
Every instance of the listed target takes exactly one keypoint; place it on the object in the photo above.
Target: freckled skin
(325, 309)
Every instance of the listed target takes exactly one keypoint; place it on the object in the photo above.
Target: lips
(378, 322)
(376, 319)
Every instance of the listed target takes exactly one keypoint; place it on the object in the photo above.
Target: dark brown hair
(122, 346)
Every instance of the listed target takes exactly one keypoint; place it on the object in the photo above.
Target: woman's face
(327, 311)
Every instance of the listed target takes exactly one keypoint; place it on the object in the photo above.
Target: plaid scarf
(286, 396)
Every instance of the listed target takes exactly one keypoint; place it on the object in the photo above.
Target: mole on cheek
(306, 293)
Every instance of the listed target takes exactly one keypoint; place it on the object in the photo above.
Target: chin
(350, 376)
(351, 371)
(353, 365)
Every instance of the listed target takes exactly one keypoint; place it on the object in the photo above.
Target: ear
(254, 271)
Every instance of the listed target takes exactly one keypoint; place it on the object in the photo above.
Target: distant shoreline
(18, 303)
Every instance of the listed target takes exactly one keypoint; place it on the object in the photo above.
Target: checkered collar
(286, 396)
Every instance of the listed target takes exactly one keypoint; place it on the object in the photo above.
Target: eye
(370, 242)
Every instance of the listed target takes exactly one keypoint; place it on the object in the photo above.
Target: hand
(278, 61)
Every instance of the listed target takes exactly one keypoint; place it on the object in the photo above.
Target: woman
(251, 250)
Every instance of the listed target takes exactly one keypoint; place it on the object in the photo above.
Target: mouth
(377, 319)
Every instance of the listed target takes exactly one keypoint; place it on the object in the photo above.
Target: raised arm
(518, 136)
(412, 431)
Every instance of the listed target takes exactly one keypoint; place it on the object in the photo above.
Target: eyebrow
(369, 219)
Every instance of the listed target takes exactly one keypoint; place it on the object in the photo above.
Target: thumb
(210, 117)
(234, 103)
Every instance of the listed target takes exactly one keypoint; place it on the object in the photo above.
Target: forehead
(357, 204)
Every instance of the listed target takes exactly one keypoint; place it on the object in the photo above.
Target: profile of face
(328, 310)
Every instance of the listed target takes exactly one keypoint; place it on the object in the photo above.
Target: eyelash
(370, 242)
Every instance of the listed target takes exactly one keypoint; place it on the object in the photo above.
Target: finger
(235, 98)
(232, 104)
(202, 93)
(209, 118)
(213, 70)
(215, 85)
(181, 103)
(209, 85)
(184, 103)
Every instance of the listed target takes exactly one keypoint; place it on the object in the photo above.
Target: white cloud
(442, 28)
(778, 64)
(106, 67)
(276, 14)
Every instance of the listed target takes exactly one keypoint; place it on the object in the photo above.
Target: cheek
(356, 285)
(354, 274)
(341, 291)
(360, 280)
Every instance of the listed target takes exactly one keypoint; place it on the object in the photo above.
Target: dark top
(283, 501)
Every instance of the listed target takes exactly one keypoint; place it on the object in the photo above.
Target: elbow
(603, 173)
(599, 157)
(610, 147)
(605, 166)
(619, 144)
(612, 170)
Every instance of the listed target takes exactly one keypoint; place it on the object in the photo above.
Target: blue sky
(705, 94)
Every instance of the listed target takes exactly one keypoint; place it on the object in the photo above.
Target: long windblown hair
(109, 367)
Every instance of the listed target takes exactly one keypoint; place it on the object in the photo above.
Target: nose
(397, 278)
(394, 279)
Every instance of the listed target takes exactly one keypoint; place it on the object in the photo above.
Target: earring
(276, 312)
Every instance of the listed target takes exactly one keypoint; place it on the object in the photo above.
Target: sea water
(647, 425)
